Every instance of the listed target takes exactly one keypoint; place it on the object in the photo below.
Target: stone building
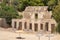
(35, 18)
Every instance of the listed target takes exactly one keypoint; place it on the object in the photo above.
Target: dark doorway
(52, 28)
(30, 26)
(36, 27)
(46, 26)
(20, 26)
(25, 25)
(41, 26)
(15, 24)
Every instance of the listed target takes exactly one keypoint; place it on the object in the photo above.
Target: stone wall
(3, 23)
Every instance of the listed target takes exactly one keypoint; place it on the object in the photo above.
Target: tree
(8, 12)
(58, 28)
(45, 2)
(56, 13)
(52, 4)
(20, 5)
(36, 3)
(6, 2)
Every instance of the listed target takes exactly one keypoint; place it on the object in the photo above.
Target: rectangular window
(36, 16)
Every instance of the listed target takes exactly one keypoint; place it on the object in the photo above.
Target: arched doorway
(20, 26)
(35, 27)
(46, 26)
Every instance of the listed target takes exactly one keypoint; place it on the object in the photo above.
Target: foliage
(36, 3)
(52, 4)
(45, 2)
(56, 13)
(58, 28)
(20, 16)
(19, 5)
(8, 12)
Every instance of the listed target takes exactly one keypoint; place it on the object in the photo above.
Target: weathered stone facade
(3, 22)
(35, 18)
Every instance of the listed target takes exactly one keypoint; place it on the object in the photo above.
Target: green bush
(58, 28)
(20, 16)
(8, 12)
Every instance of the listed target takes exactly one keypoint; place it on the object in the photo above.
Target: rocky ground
(5, 34)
